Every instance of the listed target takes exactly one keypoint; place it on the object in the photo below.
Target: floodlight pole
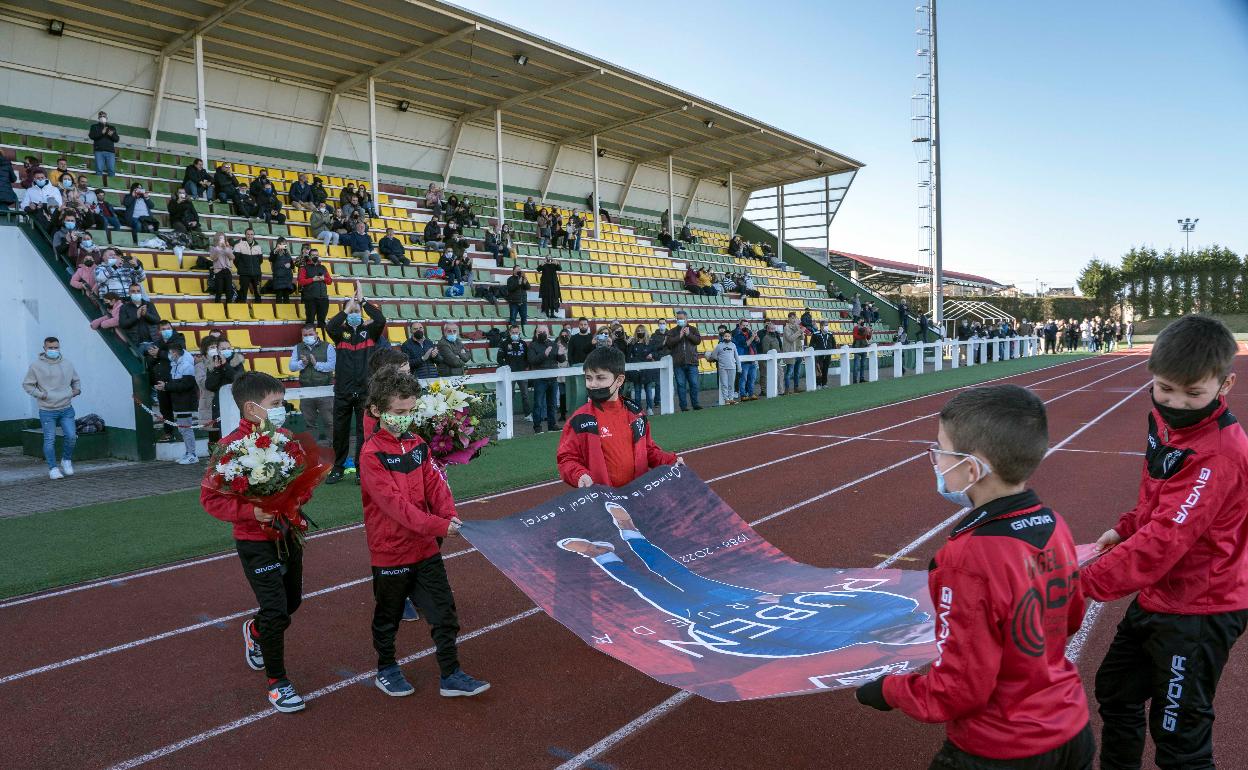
(498, 167)
(597, 206)
(201, 109)
(938, 299)
(730, 206)
(1187, 226)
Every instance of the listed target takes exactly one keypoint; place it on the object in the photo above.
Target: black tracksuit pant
(1075, 754)
(427, 585)
(248, 283)
(278, 585)
(1175, 662)
(315, 310)
(348, 411)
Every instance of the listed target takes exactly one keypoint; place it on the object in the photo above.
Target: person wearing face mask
(314, 281)
(222, 367)
(66, 235)
(861, 340)
(314, 360)
(104, 139)
(183, 396)
(355, 341)
(166, 335)
(683, 341)
(514, 352)
(607, 441)
(726, 364)
(768, 341)
(421, 352)
(8, 178)
(83, 278)
(645, 382)
(183, 217)
(272, 561)
(747, 342)
(1006, 698)
(53, 382)
(139, 212)
(581, 342)
(1184, 548)
(107, 277)
(282, 268)
(453, 355)
(518, 298)
(247, 260)
(138, 321)
(822, 340)
(41, 201)
(545, 353)
(225, 185)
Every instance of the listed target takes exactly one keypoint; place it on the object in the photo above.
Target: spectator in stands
(300, 193)
(138, 320)
(727, 365)
(706, 282)
(166, 335)
(8, 178)
(669, 243)
(391, 248)
(548, 287)
(495, 238)
(355, 341)
(83, 278)
(683, 342)
(108, 215)
(31, 165)
(321, 223)
(270, 205)
(530, 210)
(580, 342)
(771, 339)
(855, 307)
(452, 203)
(140, 215)
(686, 234)
(183, 217)
(433, 199)
(747, 286)
(224, 365)
(247, 261)
(793, 340)
(746, 340)
(314, 361)
(226, 185)
(82, 246)
(543, 228)
(453, 354)
(353, 212)
(545, 353)
(131, 272)
(41, 201)
(104, 139)
(197, 181)
(514, 352)
(691, 280)
(822, 340)
(433, 235)
(903, 310)
(559, 233)
(258, 183)
(112, 315)
(184, 397)
(107, 277)
(220, 278)
(366, 200)
(53, 382)
(421, 352)
(518, 298)
(862, 339)
(61, 238)
(314, 281)
(807, 321)
(665, 220)
(319, 194)
(645, 383)
(282, 268)
(78, 198)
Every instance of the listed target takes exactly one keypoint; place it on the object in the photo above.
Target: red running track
(147, 671)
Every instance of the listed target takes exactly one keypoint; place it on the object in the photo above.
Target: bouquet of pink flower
(455, 422)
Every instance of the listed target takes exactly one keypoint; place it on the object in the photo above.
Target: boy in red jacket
(1184, 547)
(1006, 592)
(607, 441)
(274, 570)
(408, 510)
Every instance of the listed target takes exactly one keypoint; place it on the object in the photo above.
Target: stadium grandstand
(890, 276)
(424, 96)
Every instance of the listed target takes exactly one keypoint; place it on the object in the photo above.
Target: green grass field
(68, 546)
(1149, 326)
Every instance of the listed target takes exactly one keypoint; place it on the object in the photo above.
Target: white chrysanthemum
(225, 469)
(261, 474)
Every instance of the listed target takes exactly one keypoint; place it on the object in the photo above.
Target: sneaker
(697, 408)
(537, 429)
(67, 467)
(649, 412)
(251, 646)
(460, 685)
(188, 460)
(409, 611)
(55, 473)
(391, 681)
(334, 476)
(284, 698)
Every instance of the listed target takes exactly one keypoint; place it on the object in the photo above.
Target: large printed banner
(664, 576)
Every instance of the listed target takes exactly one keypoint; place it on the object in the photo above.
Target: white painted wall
(78, 75)
(34, 305)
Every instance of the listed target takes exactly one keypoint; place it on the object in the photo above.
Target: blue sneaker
(409, 611)
(391, 681)
(459, 685)
(284, 698)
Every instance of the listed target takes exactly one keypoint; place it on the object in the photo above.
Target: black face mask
(418, 336)
(540, 337)
(599, 395)
(1178, 419)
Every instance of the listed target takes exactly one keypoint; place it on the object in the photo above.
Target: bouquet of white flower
(455, 422)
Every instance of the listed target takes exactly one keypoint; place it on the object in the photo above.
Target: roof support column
(457, 132)
(671, 197)
(628, 185)
(597, 206)
(323, 142)
(498, 165)
(550, 170)
(732, 227)
(693, 193)
(372, 136)
(201, 109)
(780, 222)
(158, 99)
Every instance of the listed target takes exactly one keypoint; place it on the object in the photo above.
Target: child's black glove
(872, 694)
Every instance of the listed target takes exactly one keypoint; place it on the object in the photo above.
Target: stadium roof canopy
(451, 62)
(886, 273)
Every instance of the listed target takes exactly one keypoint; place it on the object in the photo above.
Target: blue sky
(1070, 129)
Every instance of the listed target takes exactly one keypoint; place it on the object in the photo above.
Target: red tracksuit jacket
(407, 504)
(233, 509)
(580, 449)
(1185, 543)
(1007, 597)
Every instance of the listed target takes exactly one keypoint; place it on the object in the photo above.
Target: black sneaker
(697, 408)
(284, 698)
(537, 429)
(334, 476)
(251, 647)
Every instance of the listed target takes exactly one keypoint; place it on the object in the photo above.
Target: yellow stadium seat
(263, 312)
(167, 262)
(266, 364)
(237, 312)
(239, 338)
(213, 311)
(287, 312)
(164, 309)
(186, 311)
(164, 286)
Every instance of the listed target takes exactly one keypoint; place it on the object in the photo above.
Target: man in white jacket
(54, 384)
(41, 201)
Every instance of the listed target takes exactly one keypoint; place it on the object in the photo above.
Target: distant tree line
(1212, 280)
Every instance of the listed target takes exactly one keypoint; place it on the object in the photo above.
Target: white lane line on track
(350, 583)
(339, 685)
(667, 706)
(925, 441)
(119, 580)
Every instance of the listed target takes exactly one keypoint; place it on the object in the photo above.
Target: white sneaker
(188, 460)
(67, 467)
(55, 473)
